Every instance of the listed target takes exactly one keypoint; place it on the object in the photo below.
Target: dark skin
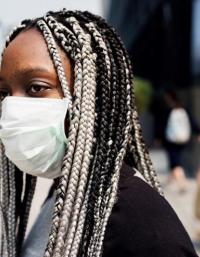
(27, 69)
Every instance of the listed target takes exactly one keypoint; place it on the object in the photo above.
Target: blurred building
(158, 35)
(163, 40)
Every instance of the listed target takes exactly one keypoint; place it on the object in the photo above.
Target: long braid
(112, 191)
(90, 105)
(3, 237)
(71, 46)
(8, 205)
(73, 183)
(123, 104)
(100, 84)
(127, 139)
(73, 126)
(56, 58)
(25, 209)
(5, 181)
(123, 84)
(151, 172)
(4, 202)
(11, 212)
(103, 85)
(147, 169)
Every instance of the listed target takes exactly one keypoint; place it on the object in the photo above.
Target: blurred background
(163, 41)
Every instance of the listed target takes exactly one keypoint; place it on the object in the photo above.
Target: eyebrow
(27, 71)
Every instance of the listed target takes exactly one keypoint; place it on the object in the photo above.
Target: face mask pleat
(33, 133)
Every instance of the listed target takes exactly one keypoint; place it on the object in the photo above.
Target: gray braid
(4, 203)
(3, 234)
(56, 57)
(4, 174)
(11, 212)
(99, 40)
(88, 64)
(7, 206)
(72, 130)
(74, 185)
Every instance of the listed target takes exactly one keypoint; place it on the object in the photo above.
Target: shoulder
(143, 223)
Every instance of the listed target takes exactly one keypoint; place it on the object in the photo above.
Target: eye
(3, 94)
(37, 89)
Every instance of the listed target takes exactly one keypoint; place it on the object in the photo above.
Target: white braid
(90, 65)
(11, 212)
(78, 84)
(4, 200)
(78, 174)
(51, 44)
(3, 235)
(73, 130)
(98, 39)
(100, 42)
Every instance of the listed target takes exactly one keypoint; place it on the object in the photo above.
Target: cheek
(55, 93)
(60, 91)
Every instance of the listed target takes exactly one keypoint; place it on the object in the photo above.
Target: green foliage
(143, 93)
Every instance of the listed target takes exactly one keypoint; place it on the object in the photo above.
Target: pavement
(183, 203)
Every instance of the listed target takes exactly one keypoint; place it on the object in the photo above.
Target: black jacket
(143, 224)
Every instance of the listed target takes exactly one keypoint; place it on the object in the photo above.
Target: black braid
(25, 209)
(19, 190)
(102, 124)
(116, 120)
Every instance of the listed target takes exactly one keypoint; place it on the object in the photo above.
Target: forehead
(28, 50)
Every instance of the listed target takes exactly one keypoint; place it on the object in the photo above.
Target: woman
(177, 134)
(69, 114)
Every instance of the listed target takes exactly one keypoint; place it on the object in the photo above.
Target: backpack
(178, 129)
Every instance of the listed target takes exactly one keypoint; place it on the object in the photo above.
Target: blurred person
(68, 114)
(177, 136)
(197, 200)
(176, 128)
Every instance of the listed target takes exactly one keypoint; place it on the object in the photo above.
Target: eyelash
(37, 86)
(3, 94)
(42, 89)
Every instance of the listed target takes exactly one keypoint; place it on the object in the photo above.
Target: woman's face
(27, 69)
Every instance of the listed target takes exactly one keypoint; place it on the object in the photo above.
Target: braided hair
(104, 132)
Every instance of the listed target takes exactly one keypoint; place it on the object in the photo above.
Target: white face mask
(33, 133)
